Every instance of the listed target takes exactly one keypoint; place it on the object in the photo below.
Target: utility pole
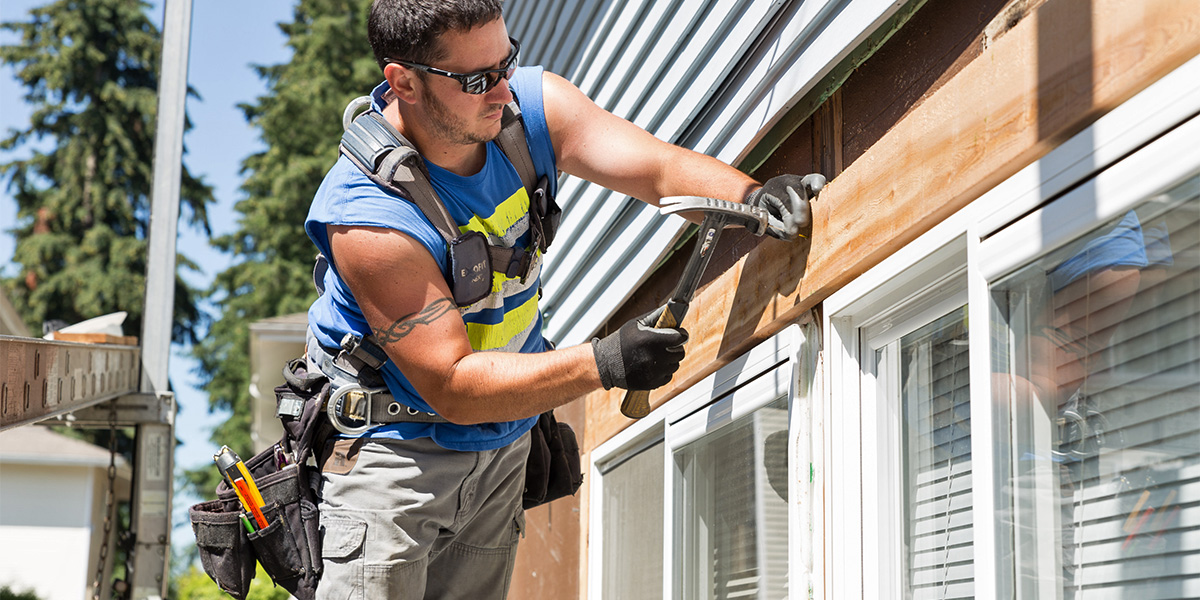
(156, 441)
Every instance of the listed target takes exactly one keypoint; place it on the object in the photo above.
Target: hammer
(718, 214)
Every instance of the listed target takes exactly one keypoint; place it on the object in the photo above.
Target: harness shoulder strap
(513, 144)
(392, 162)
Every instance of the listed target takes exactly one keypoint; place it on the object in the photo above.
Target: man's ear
(402, 81)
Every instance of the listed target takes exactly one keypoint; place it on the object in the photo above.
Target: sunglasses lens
(476, 83)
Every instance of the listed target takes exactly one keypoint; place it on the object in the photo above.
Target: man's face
(456, 116)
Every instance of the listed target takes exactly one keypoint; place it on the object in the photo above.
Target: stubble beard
(450, 127)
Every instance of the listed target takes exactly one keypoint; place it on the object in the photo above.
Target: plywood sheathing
(1056, 68)
(547, 563)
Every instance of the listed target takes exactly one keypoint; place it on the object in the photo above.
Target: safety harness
(391, 161)
(359, 399)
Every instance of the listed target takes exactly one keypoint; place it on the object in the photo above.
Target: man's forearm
(689, 173)
(488, 387)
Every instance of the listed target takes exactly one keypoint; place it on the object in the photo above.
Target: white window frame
(785, 364)
(1145, 146)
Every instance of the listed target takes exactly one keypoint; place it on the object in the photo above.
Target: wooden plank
(96, 338)
(1009, 106)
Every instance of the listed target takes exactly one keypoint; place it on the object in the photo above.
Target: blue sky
(228, 36)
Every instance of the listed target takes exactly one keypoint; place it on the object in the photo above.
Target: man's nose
(501, 94)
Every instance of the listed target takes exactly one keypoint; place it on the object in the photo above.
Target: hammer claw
(753, 218)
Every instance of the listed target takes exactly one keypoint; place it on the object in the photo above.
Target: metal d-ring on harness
(358, 399)
(354, 399)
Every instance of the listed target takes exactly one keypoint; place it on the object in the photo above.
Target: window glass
(1098, 360)
(936, 438)
(926, 374)
(633, 527)
(731, 528)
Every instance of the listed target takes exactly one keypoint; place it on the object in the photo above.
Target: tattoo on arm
(405, 325)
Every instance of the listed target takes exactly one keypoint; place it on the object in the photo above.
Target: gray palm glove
(786, 199)
(639, 356)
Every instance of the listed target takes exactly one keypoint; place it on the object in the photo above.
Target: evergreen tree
(300, 120)
(90, 69)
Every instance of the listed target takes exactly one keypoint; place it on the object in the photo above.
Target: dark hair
(409, 29)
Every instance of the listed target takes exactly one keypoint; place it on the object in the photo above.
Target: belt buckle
(348, 402)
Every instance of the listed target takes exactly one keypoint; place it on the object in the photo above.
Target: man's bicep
(405, 300)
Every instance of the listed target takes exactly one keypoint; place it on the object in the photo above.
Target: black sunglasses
(479, 82)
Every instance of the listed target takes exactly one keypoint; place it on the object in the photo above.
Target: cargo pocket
(342, 552)
(276, 546)
(224, 547)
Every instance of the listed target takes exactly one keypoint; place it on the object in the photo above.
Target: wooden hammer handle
(637, 402)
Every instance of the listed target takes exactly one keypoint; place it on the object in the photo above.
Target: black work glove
(786, 199)
(639, 356)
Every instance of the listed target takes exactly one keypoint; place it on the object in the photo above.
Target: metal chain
(109, 498)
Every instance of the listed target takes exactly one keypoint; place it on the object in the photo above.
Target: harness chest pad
(470, 268)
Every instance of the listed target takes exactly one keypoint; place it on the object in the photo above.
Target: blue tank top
(493, 202)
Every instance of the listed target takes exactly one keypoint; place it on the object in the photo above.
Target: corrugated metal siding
(711, 76)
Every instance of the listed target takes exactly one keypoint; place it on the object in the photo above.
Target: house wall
(961, 126)
(960, 98)
(46, 523)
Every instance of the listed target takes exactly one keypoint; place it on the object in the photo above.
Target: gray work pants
(408, 519)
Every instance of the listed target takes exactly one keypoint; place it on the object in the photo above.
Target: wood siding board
(933, 46)
(977, 129)
(626, 52)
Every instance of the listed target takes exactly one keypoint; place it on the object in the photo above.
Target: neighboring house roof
(36, 445)
(283, 323)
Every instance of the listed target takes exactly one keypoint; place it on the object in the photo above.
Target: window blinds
(936, 460)
(731, 511)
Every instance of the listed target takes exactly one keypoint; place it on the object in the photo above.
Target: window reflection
(731, 528)
(1097, 352)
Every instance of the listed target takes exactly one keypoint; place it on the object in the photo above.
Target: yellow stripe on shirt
(516, 321)
(507, 214)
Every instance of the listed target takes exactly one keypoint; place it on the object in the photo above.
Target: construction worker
(431, 507)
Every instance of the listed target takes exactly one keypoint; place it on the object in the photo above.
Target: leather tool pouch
(470, 268)
(552, 470)
(289, 548)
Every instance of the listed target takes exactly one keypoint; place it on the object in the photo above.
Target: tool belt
(311, 412)
(289, 548)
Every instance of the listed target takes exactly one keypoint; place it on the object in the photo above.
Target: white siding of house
(46, 528)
